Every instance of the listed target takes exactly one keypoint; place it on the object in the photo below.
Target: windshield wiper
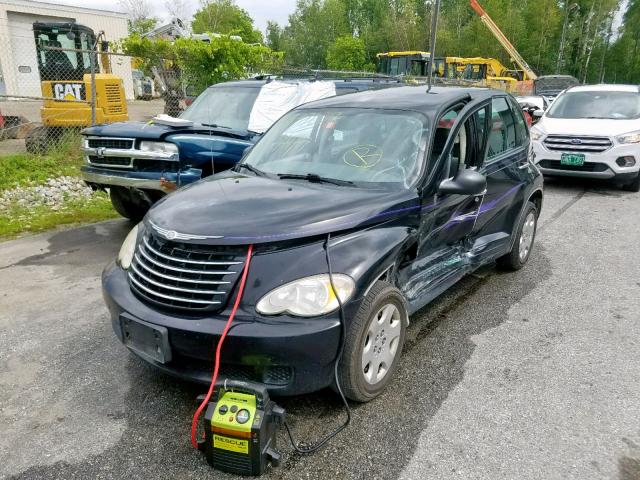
(251, 168)
(215, 125)
(314, 178)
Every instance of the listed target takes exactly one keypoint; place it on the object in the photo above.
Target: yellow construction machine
(67, 55)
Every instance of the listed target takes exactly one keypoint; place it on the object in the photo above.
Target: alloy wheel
(526, 236)
(381, 343)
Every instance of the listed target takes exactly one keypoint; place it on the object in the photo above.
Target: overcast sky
(260, 10)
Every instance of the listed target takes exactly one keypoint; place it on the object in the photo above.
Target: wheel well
(536, 198)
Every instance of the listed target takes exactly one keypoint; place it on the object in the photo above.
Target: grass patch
(17, 220)
(26, 169)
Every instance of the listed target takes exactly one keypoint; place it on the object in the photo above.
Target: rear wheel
(633, 186)
(373, 343)
(526, 234)
(128, 203)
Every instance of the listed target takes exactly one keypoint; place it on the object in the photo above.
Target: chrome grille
(182, 276)
(572, 143)
(110, 161)
(122, 143)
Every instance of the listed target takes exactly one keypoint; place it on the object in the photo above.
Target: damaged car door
(451, 201)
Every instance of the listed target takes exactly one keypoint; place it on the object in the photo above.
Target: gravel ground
(526, 375)
(53, 193)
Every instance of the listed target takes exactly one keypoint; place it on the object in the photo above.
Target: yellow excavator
(66, 52)
(473, 70)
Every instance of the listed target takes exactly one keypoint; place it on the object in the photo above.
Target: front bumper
(289, 355)
(601, 165)
(104, 177)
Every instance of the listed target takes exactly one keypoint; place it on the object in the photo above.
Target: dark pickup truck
(140, 162)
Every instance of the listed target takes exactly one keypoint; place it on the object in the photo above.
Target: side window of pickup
(502, 136)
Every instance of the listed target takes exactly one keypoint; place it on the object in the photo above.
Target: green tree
(347, 53)
(313, 26)
(141, 25)
(190, 62)
(274, 36)
(225, 17)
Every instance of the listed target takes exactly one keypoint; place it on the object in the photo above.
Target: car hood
(231, 208)
(587, 126)
(153, 131)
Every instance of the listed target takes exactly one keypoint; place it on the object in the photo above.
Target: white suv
(591, 131)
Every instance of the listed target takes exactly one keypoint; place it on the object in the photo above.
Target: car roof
(411, 98)
(605, 87)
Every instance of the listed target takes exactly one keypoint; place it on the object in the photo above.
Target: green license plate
(572, 159)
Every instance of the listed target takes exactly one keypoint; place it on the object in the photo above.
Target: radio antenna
(432, 43)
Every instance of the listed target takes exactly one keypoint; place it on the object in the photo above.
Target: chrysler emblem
(172, 234)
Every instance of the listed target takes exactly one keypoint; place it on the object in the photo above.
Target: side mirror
(538, 114)
(467, 182)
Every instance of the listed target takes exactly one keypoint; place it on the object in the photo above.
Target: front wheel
(373, 343)
(127, 203)
(526, 234)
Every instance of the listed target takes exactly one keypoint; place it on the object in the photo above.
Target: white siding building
(18, 61)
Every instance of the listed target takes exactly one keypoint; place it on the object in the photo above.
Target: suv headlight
(158, 147)
(125, 256)
(631, 137)
(307, 297)
(536, 133)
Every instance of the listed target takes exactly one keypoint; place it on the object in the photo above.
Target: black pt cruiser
(408, 190)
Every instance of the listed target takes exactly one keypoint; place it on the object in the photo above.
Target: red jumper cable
(227, 326)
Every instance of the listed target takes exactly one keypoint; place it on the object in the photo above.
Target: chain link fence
(54, 81)
(49, 91)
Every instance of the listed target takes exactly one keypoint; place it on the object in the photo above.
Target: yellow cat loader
(65, 53)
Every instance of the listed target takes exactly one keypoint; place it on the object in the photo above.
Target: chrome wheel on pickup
(373, 343)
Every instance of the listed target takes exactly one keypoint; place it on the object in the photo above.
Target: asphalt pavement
(526, 375)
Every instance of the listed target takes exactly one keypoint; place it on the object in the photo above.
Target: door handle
(523, 166)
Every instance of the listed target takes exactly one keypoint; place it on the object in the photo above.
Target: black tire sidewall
(120, 199)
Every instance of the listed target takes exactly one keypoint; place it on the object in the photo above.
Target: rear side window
(502, 136)
(522, 132)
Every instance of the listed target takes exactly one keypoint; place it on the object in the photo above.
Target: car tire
(124, 202)
(633, 186)
(373, 343)
(525, 238)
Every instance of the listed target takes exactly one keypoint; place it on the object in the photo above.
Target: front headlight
(307, 297)
(125, 256)
(631, 137)
(536, 133)
(158, 147)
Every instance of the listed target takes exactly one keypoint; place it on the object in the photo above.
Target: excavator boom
(504, 41)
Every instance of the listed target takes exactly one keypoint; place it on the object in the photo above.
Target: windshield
(223, 106)
(596, 104)
(364, 146)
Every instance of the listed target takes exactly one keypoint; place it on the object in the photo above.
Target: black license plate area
(148, 340)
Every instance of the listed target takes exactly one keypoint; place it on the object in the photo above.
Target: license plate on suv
(148, 340)
(572, 159)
